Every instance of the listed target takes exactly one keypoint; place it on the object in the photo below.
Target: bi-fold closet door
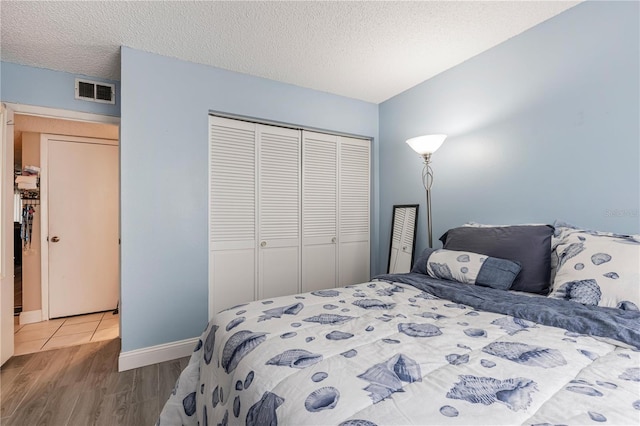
(319, 211)
(254, 211)
(289, 210)
(335, 211)
(278, 211)
(354, 211)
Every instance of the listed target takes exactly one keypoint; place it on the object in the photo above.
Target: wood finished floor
(80, 385)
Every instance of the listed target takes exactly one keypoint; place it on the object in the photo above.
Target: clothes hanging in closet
(26, 231)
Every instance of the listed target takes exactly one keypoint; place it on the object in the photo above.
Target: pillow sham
(562, 230)
(484, 225)
(468, 268)
(597, 268)
(529, 245)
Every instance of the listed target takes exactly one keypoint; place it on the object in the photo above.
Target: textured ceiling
(369, 50)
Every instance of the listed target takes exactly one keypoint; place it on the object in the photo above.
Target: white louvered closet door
(353, 211)
(319, 211)
(279, 211)
(232, 257)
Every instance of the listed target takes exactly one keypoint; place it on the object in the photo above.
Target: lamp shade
(427, 144)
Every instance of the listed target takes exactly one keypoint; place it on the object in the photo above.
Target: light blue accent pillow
(467, 268)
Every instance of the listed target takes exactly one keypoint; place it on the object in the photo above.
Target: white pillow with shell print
(597, 269)
(469, 268)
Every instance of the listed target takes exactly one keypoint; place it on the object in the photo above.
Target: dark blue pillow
(529, 245)
(420, 265)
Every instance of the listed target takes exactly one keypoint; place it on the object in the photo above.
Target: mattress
(422, 351)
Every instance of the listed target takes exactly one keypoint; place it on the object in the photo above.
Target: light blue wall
(543, 126)
(164, 148)
(164, 170)
(54, 89)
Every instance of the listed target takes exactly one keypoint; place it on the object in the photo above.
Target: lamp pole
(425, 146)
(427, 181)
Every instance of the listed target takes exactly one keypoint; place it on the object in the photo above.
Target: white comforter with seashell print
(386, 353)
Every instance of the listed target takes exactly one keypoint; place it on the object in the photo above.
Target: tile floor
(71, 331)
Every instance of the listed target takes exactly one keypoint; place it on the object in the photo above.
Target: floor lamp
(425, 146)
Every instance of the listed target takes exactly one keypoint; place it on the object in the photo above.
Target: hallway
(62, 332)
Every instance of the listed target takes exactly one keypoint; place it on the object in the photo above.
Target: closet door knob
(333, 240)
(263, 244)
(55, 239)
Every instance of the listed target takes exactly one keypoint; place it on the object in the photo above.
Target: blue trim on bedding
(612, 323)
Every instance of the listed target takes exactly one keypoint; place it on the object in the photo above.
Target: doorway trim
(6, 234)
(61, 114)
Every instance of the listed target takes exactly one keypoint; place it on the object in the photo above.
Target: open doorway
(32, 334)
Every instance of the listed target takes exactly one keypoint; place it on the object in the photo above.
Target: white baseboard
(29, 317)
(155, 354)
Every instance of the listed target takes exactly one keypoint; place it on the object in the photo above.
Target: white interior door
(83, 204)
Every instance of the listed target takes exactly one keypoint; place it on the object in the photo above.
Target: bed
(418, 349)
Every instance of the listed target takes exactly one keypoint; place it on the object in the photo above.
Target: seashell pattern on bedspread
(383, 353)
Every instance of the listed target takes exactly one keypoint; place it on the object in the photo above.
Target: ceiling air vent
(95, 91)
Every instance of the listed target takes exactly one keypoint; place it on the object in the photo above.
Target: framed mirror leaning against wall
(402, 245)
